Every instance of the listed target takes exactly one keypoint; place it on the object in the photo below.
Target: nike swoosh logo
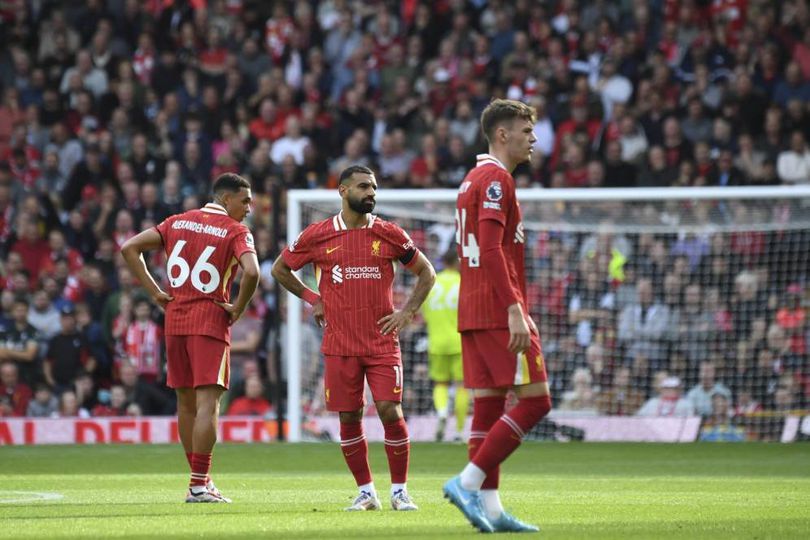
(352, 453)
(400, 453)
(464, 501)
(397, 390)
(330, 250)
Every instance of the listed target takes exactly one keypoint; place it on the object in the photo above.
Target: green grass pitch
(622, 491)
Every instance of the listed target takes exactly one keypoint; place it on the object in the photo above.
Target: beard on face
(361, 206)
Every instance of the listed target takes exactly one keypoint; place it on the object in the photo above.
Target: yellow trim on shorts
(524, 368)
(222, 365)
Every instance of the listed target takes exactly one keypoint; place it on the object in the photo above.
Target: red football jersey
(488, 192)
(203, 249)
(355, 273)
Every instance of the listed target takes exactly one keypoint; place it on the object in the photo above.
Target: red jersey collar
(488, 159)
(214, 208)
(340, 225)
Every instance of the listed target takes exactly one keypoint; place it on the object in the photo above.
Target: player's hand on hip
(232, 310)
(162, 298)
(318, 315)
(395, 322)
(519, 333)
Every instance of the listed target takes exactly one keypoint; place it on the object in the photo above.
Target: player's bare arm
(133, 250)
(247, 287)
(284, 275)
(426, 277)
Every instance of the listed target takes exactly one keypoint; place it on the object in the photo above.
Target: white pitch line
(30, 496)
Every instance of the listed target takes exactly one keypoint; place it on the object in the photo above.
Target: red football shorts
(489, 364)
(344, 388)
(197, 361)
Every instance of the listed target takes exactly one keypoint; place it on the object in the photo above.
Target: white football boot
(402, 501)
(365, 501)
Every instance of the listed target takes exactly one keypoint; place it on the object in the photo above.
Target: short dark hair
(349, 171)
(501, 111)
(230, 182)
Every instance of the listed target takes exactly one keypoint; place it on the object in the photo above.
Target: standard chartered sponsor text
(362, 272)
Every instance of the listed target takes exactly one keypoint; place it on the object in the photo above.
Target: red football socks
(486, 411)
(398, 448)
(200, 467)
(190, 465)
(508, 432)
(355, 451)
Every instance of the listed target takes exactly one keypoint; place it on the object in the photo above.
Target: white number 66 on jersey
(201, 266)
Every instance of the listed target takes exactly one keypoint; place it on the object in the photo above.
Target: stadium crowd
(118, 113)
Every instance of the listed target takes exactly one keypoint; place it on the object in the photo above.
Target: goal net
(651, 303)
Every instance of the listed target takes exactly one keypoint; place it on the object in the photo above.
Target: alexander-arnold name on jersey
(193, 226)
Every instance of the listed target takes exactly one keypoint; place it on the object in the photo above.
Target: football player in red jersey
(353, 253)
(500, 345)
(204, 249)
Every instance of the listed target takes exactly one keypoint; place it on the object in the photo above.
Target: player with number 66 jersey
(203, 247)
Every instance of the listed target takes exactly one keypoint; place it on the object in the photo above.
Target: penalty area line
(29, 496)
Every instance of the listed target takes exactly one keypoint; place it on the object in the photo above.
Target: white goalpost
(728, 265)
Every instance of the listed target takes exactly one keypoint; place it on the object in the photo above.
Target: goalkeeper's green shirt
(441, 314)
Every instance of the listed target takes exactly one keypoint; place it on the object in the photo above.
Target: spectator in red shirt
(253, 402)
(144, 60)
(441, 96)
(14, 395)
(278, 30)
(579, 122)
(267, 126)
(58, 249)
(31, 247)
(10, 114)
(792, 318)
(747, 247)
(143, 338)
(576, 172)
(425, 167)
(212, 58)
